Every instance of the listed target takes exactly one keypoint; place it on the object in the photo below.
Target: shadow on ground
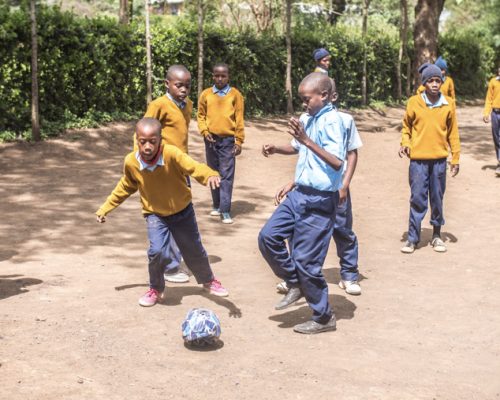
(11, 287)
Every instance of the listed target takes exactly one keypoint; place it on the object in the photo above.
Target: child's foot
(150, 298)
(311, 327)
(176, 277)
(282, 288)
(438, 245)
(215, 212)
(408, 247)
(226, 218)
(291, 297)
(497, 170)
(215, 287)
(350, 287)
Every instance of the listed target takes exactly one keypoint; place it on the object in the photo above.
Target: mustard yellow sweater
(222, 115)
(163, 191)
(430, 132)
(174, 121)
(447, 88)
(492, 96)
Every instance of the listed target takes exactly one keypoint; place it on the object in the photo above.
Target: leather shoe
(291, 297)
(311, 327)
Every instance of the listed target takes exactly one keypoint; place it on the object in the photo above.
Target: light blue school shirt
(441, 101)
(221, 92)
(180, 104)
(144, 165)
(326, 129)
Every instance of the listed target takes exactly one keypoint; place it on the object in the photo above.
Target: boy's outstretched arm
(296, 129)
(199, 171)
(286, 149)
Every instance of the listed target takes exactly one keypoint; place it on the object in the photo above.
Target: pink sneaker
(215, 287)
(150, 298)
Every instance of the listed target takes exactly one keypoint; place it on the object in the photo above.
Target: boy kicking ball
(159, 173)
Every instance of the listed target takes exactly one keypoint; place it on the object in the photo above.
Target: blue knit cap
(428, 71)
(318, 54)
(441, 63)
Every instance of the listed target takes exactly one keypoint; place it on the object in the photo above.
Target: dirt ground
(427, 325)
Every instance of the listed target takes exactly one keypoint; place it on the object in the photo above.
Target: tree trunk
(35, 117)
(123, 13)
(403, 45)
(200, 46)
(288, 36)
(426, 29)
(364, 95)
(149, 85)
(131, 10)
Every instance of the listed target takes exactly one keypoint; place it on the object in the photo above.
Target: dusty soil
(427, 325)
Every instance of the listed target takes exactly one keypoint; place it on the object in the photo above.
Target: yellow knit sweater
(174, 121)
(430, 132)
(447, 88)
(492, 96)
(163, 191)
(222, 115)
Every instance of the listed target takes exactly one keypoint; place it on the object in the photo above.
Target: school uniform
(167, 209)
(321, 69)
(220, 113)
(306, 217)
(429, 130)
(343, 234)
(492, 110)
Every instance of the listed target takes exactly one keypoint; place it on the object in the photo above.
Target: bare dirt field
(427, 325)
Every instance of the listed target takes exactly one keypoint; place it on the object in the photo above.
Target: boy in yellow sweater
(220, 121)
(174, 113)
(492, 112)
(448, 86)
(429, 130)
(159, 173)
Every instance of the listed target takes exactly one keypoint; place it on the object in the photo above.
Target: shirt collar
(441, 101)
(222, 92)
(143, 165)
(325, 109)
(180, 104)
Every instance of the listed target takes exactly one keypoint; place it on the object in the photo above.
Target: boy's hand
(236, 150)
(404, 151)
(486, 119)
(101, 219)
(454, 169)
(296, 129)
(343, 194)
(281, 193)
(213, 182)
(268, 149)
(209, 137)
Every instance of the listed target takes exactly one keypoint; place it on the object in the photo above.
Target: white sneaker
(350, 287)
(226, 218)
(438, 245)
(215, 212)
(176, 277)
(282, 288)
(408, 247)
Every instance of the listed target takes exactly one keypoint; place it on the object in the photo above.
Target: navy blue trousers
(427, 183)
(495, 130)
(306, 219)
(183, 228)
(220, 157)
(346, 241)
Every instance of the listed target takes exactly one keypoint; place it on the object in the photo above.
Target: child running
(159, 173)
(429, 130)
(306, 217)
(220, 121)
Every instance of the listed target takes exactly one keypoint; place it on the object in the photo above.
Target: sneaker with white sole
(438, 245)
(350, 287)
(215, 287)
(215, 212)
(150, 298)
(176, 277)
(282, 288)
(408, 247)
(497, 170)
(226, 218)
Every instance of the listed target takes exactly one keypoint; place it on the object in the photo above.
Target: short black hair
(148, 122)
(319, 82)
(221, 65)
(174, 69)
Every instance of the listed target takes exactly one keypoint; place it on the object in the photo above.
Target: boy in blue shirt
(306, 218)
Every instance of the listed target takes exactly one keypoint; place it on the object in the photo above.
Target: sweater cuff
(455, 158)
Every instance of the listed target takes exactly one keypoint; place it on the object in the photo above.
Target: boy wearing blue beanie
(322, 58)
(430, 130)
(448, 86)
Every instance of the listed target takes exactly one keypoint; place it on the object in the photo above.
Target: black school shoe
(291, 297)
(311, 327)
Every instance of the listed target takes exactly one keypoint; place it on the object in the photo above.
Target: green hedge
(93, 70)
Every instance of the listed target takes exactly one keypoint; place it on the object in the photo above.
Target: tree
(426, 29)
(123, 14)
(201, 14)
(264, 12)
(288, 36)
(335, 9)
(403, 50)
(364, 97)
(35, 117)
(149, 85)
